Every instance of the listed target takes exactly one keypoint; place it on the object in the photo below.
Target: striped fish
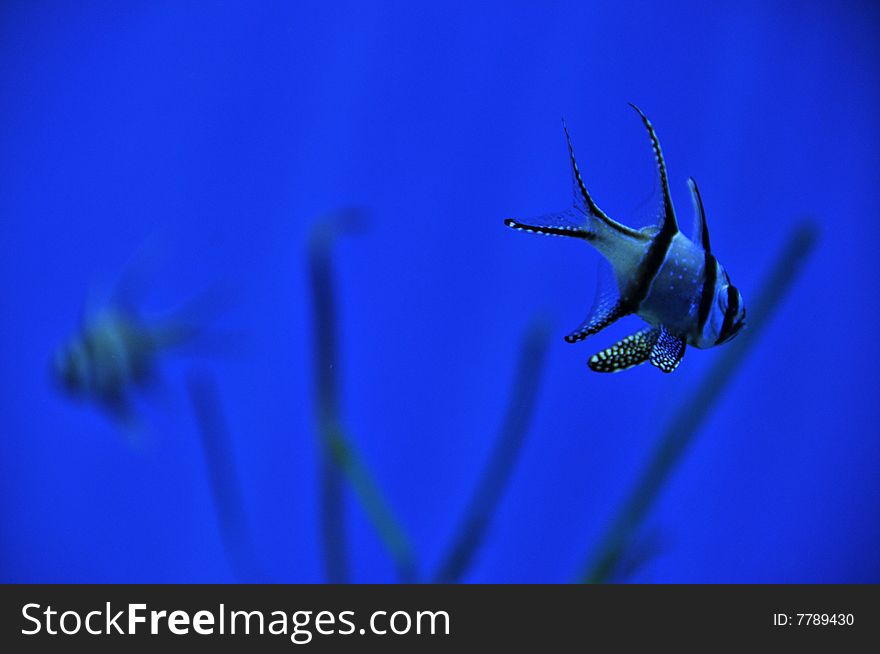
(673, 283)
(114, 353)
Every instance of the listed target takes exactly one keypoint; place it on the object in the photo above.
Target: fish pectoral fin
(668, 350)
(634, 350)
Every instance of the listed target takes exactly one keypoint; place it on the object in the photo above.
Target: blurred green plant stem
(340, 461)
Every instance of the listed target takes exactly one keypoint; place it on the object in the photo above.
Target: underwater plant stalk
(685, 422)
(221, 473)
(504, 454)
(378, 512)
(339, 461)
(331, 483)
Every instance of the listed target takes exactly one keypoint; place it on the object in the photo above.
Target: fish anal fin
(607, 307)
(634, 350)
(599, 319)
(668, 350)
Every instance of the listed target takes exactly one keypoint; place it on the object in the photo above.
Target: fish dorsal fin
(669, 223)
(582, 198)
(583, 201)
(634, 350)
(668, 350)
(607, 307)
(701, 229)
(91, 306)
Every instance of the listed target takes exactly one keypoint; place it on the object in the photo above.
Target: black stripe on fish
(710, 276)
(659, 247)
(90, 354)
(649, 267)
(729, 315)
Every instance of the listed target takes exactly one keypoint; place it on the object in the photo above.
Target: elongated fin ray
(583, 201)
(669, 224)
(668, 351)
(701, 229)
(634, 350)
(582, 197)
(553, 225)
(607, 307)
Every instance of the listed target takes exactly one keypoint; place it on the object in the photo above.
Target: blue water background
(229, 129)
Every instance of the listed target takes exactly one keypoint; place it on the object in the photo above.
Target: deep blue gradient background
(229, 129)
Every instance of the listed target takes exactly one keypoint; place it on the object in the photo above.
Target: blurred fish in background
(116, 351)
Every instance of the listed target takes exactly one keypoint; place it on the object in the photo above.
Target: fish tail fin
(172, 334)
(188, 325)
